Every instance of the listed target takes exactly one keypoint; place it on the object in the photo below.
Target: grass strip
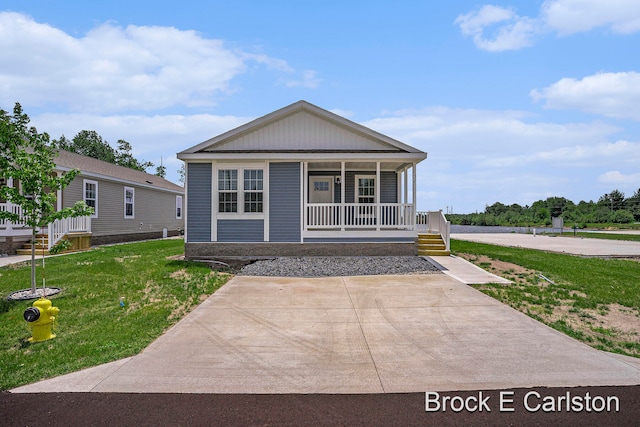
(596, 301)
(92, 327)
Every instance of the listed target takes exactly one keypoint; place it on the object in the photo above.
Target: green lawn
(92, 328)
(583, 293)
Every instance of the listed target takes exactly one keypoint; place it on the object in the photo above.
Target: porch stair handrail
(435, 222)
(61, 227)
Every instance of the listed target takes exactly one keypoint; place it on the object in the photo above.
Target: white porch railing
(8, 228)
(60, 227)
(434, 222)
(360, 215)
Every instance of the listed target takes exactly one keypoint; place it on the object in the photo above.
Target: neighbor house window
(128, 202)
(178, 207)
(253, 190)
(228, 190)
(90, 195)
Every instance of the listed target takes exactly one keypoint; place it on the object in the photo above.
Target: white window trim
(84, 195)
(241, 214)
(179, 202)
(375, 186)
(133, 203)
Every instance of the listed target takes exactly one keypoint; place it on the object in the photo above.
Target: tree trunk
(33, 262)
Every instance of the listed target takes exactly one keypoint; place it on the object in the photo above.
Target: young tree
(30, 159)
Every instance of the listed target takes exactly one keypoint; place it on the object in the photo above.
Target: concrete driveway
(367, 334)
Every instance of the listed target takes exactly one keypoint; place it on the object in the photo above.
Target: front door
(320, 189)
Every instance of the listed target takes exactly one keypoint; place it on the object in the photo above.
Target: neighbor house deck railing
(434, 222)
(360, 215)
(56, 230)
(7, 227)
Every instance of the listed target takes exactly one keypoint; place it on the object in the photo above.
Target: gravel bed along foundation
(339, 266)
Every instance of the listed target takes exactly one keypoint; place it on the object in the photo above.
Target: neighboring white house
(128, 205)
(300, 181)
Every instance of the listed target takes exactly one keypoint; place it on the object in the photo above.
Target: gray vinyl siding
(284, 202)
(240, 230)
(388, 185)
(199, 202)
(154, 210)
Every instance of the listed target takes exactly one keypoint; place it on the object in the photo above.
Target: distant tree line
(90, 143)
(611, 208)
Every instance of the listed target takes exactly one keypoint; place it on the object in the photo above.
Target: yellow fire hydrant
(40, 319)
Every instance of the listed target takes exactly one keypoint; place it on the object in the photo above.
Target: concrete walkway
(367, 334)
(569, 245)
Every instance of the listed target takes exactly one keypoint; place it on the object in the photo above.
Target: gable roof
(301, 128)
(89, 166)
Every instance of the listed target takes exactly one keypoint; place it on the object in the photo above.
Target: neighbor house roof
(305, 130)
(89, 166)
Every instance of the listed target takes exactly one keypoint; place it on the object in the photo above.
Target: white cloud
(610, 94)
(618, 178)
(514, 32)
(574, 16)
(484, 133)
(152, 137)
(478, 157)
(576, 156)
(309, 79)
(564, 17)
(116, 69)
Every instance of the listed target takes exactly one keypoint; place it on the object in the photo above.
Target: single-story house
(300, 181)
(128, 205)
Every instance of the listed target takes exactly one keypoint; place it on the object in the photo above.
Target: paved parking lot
(569, 245)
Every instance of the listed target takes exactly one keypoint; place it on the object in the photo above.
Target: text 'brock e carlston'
(532, 402)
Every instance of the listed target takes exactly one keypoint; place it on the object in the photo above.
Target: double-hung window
(228, 190)
(178, 207)
(90, 195)
(366, 189)
(129, 202)
(253, 190)
(246, 196)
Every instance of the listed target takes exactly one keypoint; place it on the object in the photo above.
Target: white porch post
(414, 195)
(405, 172)
(342, 193)
(305, 187)
(377, 188)
(59, 196)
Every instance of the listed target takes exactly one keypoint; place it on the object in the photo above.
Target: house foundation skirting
(9, 244)
(130, 237)
(258, 250)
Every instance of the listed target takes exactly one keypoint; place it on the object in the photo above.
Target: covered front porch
(359, 199)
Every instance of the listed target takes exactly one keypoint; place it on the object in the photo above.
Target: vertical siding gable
(303, 131)
(199, 184)
(284, 202)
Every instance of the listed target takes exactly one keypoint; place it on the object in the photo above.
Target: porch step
(432, 245)
(79, 241)
(41, 246)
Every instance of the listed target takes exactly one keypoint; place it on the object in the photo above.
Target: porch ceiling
(335, 166)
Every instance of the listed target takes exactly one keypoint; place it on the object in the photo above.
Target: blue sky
(514, 101)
